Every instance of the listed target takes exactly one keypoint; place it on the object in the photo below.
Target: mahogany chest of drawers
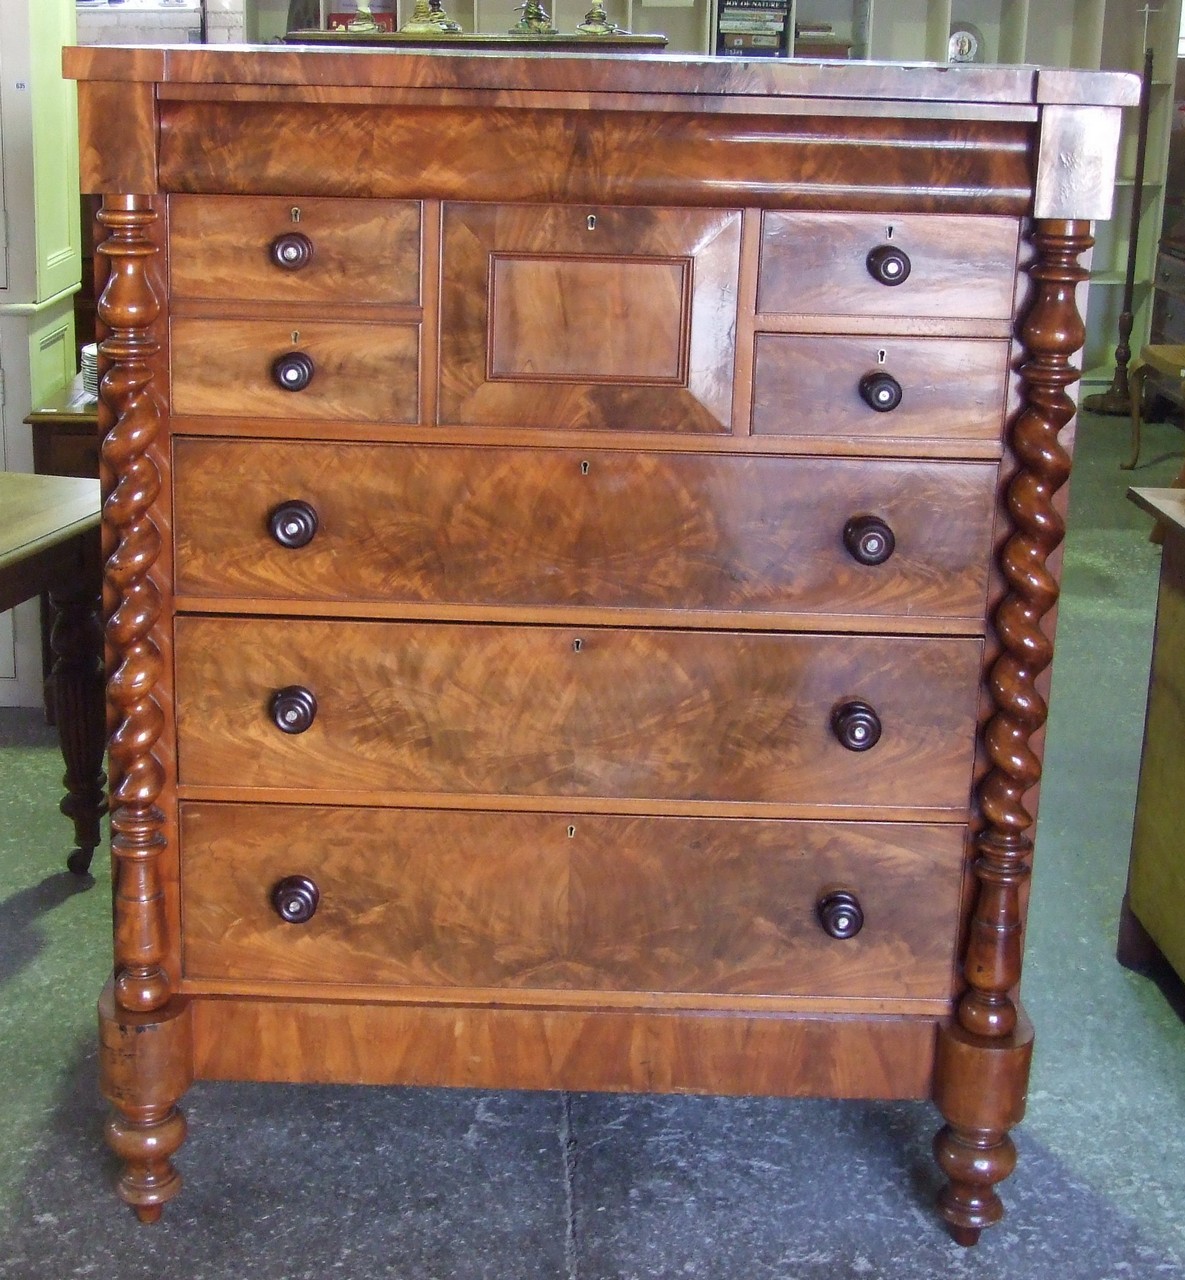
(579, 579)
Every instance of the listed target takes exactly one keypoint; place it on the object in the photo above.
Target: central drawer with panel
(553, 629)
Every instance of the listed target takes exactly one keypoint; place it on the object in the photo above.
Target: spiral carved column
(983, 1059)
(144, 1033)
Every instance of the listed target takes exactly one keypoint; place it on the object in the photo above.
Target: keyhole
(881, 356)
(571, 832)
(294, 214)
(591, 222)
(295, 336)
(577, 645)
(888, 233)
(584, 468)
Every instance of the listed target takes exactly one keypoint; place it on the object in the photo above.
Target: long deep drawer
(518, 527)
(299, 368)
(550, 711)
(537, 901)
(295, 251)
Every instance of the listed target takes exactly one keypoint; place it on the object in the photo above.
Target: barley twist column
(983, 1060)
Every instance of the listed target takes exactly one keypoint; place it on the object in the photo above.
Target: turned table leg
(76, 687)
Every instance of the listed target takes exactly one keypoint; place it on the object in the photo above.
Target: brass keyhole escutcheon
(584, 468)
(577, 645)
(591, 222)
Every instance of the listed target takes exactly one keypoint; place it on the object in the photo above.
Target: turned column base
(145, 1065)
(980, 1086)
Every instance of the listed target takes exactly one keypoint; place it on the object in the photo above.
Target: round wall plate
(966, 43)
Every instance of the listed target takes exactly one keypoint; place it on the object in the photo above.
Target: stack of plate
(90, 370)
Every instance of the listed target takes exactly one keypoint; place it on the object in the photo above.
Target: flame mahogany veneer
(579, 579)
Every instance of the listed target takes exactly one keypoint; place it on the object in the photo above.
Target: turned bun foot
(966, 1236)
(79, 861)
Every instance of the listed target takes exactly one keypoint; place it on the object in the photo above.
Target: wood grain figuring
(560, 318)
(959, 266)
(619, 157)
(525, 710)
(402, 523)
(577, 317)
(810, 385)
(362, 372)
(362, 251)
(495, 1048)
(547, 901)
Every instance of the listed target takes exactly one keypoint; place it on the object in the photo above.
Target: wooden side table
(1152, 920)
(49, 542)
(66, 433)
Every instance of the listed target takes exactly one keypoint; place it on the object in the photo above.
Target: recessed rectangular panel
(588, 318)
(591, 321)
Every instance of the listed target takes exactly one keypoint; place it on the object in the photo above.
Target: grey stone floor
(289, 1183)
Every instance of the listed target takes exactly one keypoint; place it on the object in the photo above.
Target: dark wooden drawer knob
(295, 899)
(293, 709)
(856, 725)
(888, 264)
(291, 251)
(293, 523)
(869, 539)
(880, 391)
(840, 914)
(293, 371)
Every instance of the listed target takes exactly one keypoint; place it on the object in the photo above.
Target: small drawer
(806, 384)
(549, 711)
(490, 527)
(267, 249)
(296, 368)
(549, 901)
(931, 265)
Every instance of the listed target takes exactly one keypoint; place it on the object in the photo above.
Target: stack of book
(753, 28)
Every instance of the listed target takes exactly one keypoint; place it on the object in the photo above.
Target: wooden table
(1152, 921)
(49, 542)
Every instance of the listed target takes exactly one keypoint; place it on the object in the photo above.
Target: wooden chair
(1168, 360)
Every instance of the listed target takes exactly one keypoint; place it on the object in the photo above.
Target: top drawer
(267, 249)
(930, 265)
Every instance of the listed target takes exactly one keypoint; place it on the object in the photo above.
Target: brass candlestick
(535, 21)
(598, 23)
(429, 18)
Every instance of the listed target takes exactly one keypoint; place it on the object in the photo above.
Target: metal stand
(1116, 400)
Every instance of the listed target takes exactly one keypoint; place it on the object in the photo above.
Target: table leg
(76, 687)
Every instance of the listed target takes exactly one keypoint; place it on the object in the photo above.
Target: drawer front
(356, 372)
(548, 711)
(806, 384)
(269, 249)
(517, 527)
(818, 264)
(550, 901)
(602, 318)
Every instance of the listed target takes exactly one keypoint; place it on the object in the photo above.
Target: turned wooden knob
(293, 709)
(293, 523)
(295, 899)
(840, 914)
(888, 264)
(293, 371)
(880, 391)
(291, 251)
(869, 539)
(856, 725)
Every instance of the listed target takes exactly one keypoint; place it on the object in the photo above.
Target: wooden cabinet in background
(598, 648)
